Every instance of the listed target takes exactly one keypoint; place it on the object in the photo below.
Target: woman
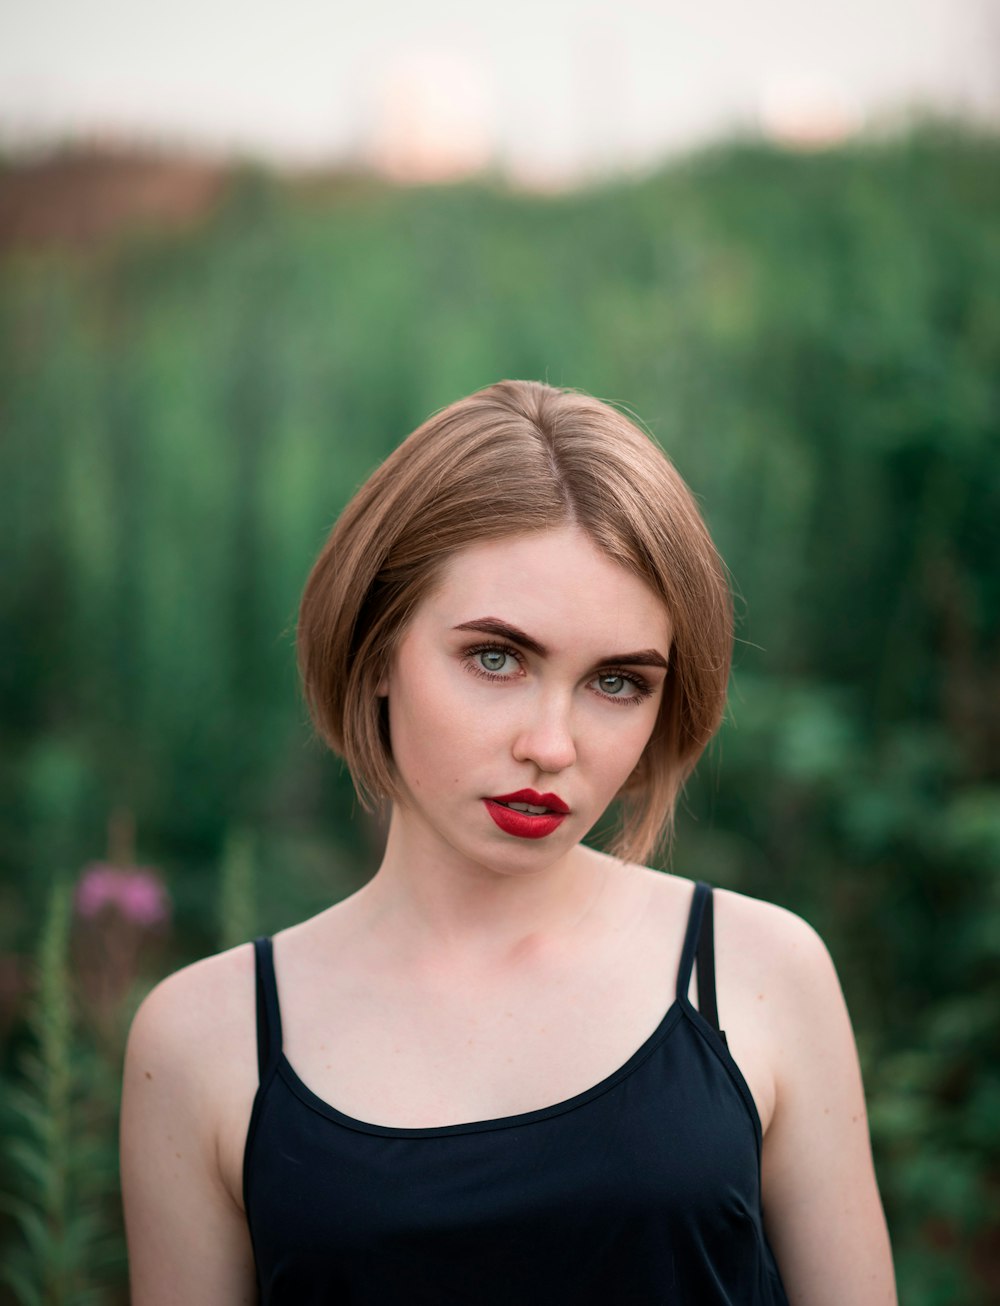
(496, 1073)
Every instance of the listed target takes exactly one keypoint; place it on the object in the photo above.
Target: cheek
(428, 721)
(619, 750)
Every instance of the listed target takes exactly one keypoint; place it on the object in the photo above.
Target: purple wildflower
(136, 893)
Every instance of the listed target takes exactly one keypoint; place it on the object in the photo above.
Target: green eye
(492, 659)
(613, 684)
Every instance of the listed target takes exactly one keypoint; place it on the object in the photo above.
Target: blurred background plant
(61, 1096)
(60, 1145)
(815, 340)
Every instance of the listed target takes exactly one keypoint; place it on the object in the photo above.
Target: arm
(822, 1208)
(188, 1240)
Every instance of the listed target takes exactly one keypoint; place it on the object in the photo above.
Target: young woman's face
(531, 676)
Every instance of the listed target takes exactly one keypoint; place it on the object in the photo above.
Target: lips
(552, 802)
(527, 825)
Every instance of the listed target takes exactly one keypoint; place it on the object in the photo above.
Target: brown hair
(517, 457)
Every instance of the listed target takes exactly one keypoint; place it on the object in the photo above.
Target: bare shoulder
(189, 1067)
(193, 1018)
(191, 1053)
(775, 972)
(754, 938)
(772, 938)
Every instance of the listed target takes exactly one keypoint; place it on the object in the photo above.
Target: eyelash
(642, 687)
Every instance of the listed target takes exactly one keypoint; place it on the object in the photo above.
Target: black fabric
(643, 1189)
(705, 958)
(268, 1012)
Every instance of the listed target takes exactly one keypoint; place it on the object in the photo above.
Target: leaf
(25, 1289)
(37, 1235)
(33, 1161)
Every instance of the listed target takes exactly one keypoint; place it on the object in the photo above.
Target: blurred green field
(815, 341)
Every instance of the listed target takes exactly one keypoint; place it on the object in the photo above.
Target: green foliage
(816, 342)
(237, 911)
(62, 1157)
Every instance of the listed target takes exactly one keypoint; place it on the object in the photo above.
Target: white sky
(541, 85)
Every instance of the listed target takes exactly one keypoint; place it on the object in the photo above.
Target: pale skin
(479, 975)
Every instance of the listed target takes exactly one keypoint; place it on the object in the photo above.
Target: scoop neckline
(680, 1006)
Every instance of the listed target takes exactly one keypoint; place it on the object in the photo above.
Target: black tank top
(643, 1189)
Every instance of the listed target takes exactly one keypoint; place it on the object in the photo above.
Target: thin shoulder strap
(268, 1013)
(706, 964)
(699, 944)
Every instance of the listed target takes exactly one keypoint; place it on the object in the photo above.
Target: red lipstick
(527, 825)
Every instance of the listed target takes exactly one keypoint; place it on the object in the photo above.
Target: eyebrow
(646, 657)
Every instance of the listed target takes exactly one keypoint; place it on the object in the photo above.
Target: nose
(545, 737)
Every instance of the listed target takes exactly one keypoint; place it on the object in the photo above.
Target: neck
(426, 900)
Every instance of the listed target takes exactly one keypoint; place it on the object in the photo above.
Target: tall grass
(60, 1154)
(237, 905)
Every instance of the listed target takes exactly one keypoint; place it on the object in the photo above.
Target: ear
(382, 688)
(636, 779)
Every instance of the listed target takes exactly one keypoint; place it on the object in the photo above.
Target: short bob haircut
(514, 458)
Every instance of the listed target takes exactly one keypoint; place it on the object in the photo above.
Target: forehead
(556, 586)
